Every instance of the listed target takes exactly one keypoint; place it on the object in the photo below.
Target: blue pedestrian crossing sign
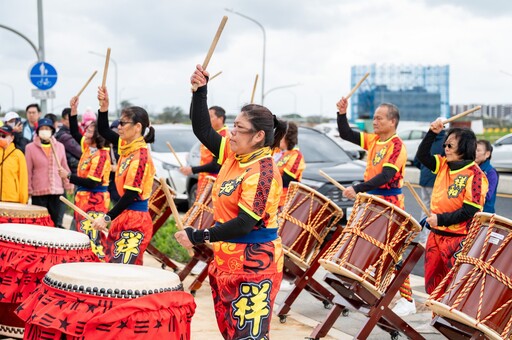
(43, 75)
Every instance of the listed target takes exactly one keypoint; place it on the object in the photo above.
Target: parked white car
(412, 139)
(502, 153)
(331, 130)
(182, 139)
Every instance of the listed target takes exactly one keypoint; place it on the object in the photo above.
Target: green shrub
(164, 241)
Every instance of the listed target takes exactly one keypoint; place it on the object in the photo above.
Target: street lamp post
(12, 94)
(115, 76)
(264, 48)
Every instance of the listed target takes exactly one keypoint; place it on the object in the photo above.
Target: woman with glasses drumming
(458, 193)
(247, 268)
(92, 177)
(131, 228)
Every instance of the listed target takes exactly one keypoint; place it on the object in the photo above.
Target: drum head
(37, 235)
(18, 209)
(104, 279)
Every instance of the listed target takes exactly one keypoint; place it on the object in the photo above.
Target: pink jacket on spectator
(43, 171)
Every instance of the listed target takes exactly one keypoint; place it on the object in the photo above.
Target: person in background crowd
(247, 268)
(385, 167)
(13, 169)
(44, 183)
(427, 179)
(91, 179)
(208, 165)
(458, 193)
(87, 117)
(73, 148)
(132, 227)
(13, 119)
(291, 164)
(483, 159)
(54, 119)
(33, 113)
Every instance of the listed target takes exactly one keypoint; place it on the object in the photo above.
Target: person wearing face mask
(44, 183)
(92, 177)
(458, 193)
(13, 169)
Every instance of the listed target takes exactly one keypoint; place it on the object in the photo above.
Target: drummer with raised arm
(385, 167)
(132, 227)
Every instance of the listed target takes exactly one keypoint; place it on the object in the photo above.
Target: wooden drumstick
(55, 154)
(174, 153)
(417, 198)
(332, 180)
(462, 114)
(215, 75)
(86, 84)
(212, 47)
(77, 209)
(105, 69)
(254, 88)
(357, 86)
(174, 210)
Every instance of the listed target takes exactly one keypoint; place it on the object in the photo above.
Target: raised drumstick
(332, 180)
(174, 210)
(105, 69)
(254, 88)
(215, 75)
(357, 86)
(77, 209)
(174, 153)
(212, 47)
(462, 114)
(87, 83)
(417, 198)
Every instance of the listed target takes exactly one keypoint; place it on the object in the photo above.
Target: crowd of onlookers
(32, 151)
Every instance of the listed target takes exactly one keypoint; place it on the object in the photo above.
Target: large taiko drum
(24, 214)
(158, 206)
(200, 215)
(27, 252)
(376, 236)
(108, 301)
(306, 219)
(478, 290)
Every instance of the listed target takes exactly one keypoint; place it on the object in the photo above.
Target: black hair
(33, 105)
(51, 117)
(393, 112)
(262, 119)
(466, 142)
(292, 135)
(219, 112)
(487, 145)
(138, 115)
(66, 113)
(96, 137)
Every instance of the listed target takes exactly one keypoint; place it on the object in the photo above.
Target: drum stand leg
(353, 293)
(456, 330)
(304, 280)
(161, 257)
(201, 253)
(198, 282)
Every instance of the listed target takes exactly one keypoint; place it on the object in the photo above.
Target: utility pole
(40, 29)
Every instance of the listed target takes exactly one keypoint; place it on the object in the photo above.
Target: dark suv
(320, 152)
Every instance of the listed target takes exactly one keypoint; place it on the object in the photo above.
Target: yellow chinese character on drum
(252, 306)
(128, 245)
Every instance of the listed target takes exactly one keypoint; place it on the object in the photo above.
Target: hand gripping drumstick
(215, 75)
(87, 83)
(462, 114)
(254, 88)
(418, 199)
(174, 210)
(357, 86)
(332, 180)
(212, 47)
(174, 153)
(105, 69)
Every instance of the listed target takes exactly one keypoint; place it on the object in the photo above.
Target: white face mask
(45, 134)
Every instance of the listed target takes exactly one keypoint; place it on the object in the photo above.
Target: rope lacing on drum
(154, 198)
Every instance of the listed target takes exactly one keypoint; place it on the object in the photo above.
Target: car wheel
(192, 195)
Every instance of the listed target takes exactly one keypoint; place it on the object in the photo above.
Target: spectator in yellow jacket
(13, 169)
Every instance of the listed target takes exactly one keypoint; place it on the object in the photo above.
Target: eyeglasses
(237, 129)
(448, 145)
(121, 123)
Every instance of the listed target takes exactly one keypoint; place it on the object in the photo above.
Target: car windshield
(181, 140)
(319, 148)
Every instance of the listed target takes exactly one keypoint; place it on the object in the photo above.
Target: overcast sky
(157, 44)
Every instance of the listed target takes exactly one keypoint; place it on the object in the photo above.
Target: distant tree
(125, 104)
(173, 114)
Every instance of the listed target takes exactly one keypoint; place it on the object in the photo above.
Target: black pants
(54, 205)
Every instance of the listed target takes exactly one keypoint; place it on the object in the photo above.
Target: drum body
(158, 206)
(27, 252)
(478, 289)
(372, 243)
(200, 215)
(108, 301)
(24, 214)
(306, 219)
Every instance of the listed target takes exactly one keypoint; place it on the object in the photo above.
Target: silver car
(502, 153)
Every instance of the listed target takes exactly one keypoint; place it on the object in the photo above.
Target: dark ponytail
(280, 127)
